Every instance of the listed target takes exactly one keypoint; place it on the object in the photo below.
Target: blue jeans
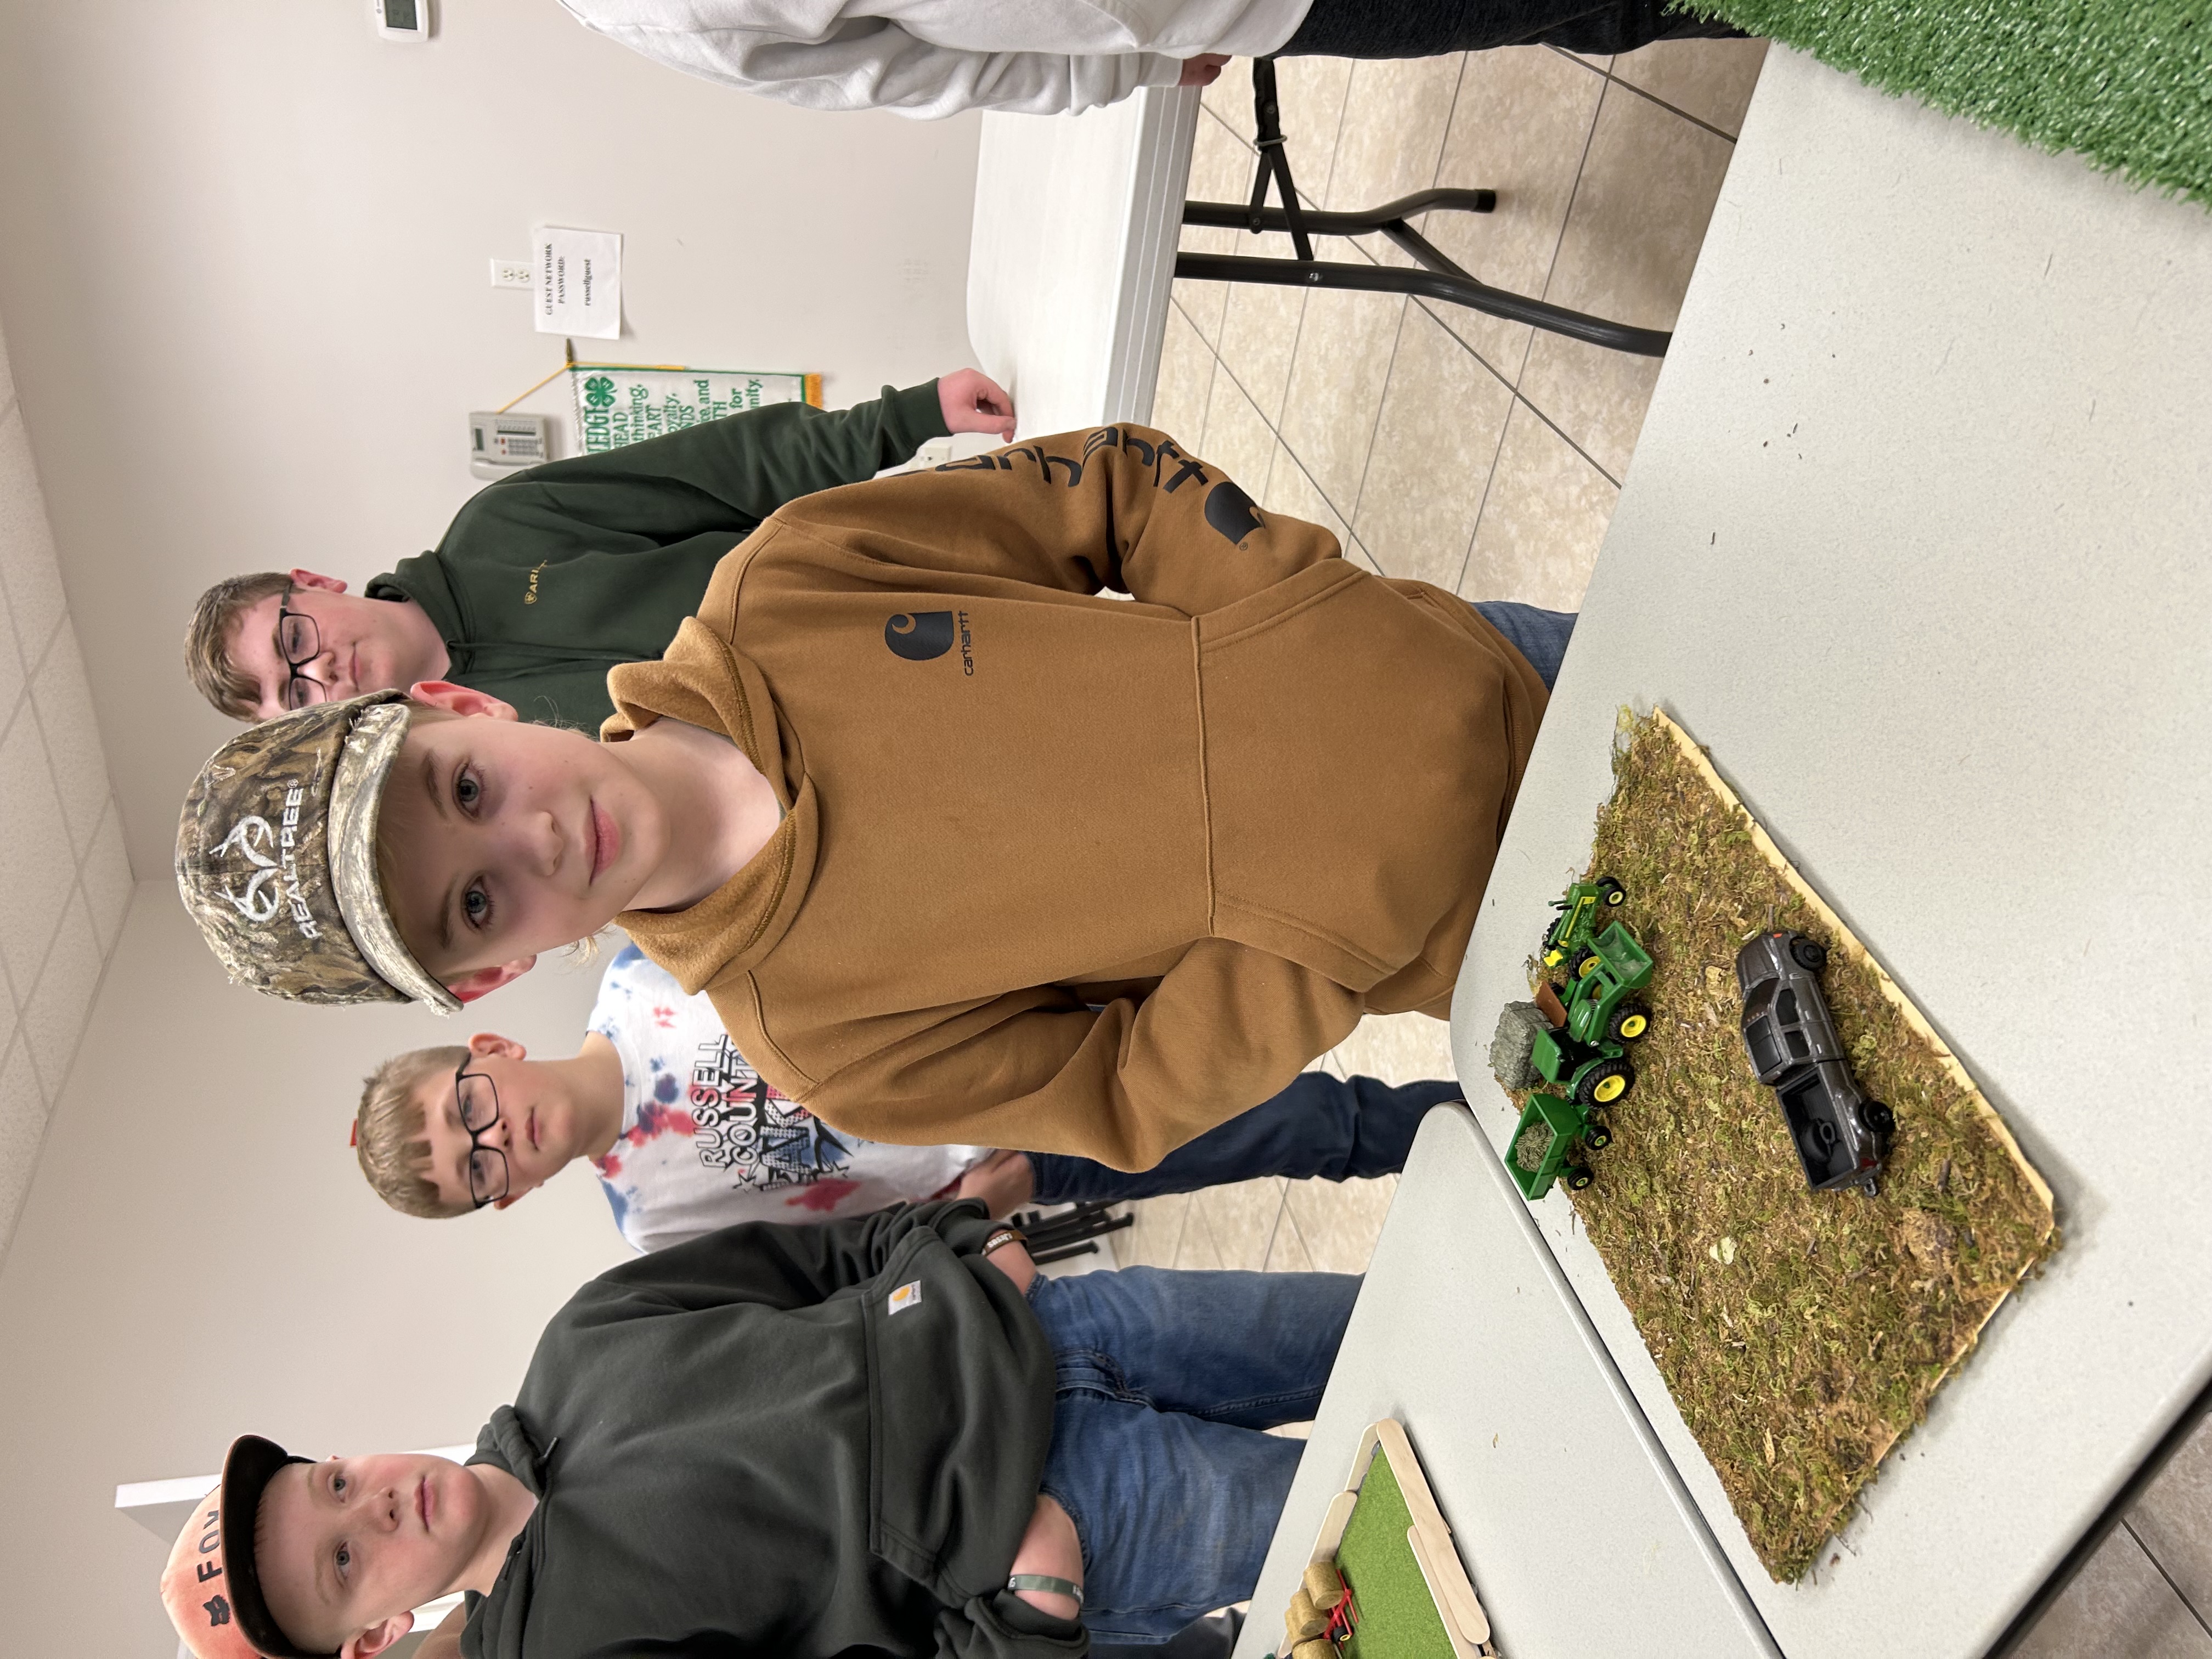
(1541, 636)
(1320, 1125)
(1164, 1382)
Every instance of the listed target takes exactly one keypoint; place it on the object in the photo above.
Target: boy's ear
(484, 981)
(377, 1637)
(461, 700)
(491, 1042)
(316, 579)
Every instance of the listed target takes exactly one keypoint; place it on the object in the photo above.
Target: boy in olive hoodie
(886, 1434)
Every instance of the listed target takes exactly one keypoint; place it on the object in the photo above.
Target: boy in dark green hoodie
(547, 580)
(884, 1433)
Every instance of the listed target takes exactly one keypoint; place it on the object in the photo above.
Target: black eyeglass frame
(284, 614)
(476, 1135)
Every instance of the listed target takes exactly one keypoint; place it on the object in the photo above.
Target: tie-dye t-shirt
(706, 1142)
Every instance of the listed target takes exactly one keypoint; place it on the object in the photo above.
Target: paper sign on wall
(579, 282)
(617, 405)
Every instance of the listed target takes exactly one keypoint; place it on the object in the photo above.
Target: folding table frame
(1438, 279)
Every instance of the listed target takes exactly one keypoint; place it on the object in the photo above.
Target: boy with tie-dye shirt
(686, 1137)
(704, 1142)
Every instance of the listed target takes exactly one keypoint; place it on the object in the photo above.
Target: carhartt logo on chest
(926, 635)
(920, 635)
(531, 597)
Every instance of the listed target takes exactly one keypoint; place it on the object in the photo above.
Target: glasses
(299, 642)
(479, 1103)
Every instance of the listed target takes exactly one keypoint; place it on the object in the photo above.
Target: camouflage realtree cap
(276, 857)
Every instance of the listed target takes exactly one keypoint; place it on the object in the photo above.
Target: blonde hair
(207, 641)
(391, 1131)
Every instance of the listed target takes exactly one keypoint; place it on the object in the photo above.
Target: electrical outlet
(511, 273)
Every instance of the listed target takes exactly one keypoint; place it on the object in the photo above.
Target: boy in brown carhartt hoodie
(995, 859)
(1011, 800)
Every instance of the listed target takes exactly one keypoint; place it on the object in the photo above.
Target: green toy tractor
(1573, 1037)
(1567, 942)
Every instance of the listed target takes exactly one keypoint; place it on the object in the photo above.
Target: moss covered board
(1801, 1333)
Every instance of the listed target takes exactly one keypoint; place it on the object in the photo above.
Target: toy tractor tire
(1597, 1137)
(1580, 964)
(1810, 954)
(1604, 1083)
(1878, 1118)
(1611, 892)
(1576, 1176)
(1629, 1023)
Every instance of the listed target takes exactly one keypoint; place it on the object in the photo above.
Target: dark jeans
(1320, 1125)
(1540, 635)
(1427, 28)
(1164, 1384)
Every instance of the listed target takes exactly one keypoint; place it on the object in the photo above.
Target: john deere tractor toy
(1567, 942)
(1574, 1037)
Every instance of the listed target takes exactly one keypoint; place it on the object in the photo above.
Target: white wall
(199, 1257)
(243, 252)
(252, 238)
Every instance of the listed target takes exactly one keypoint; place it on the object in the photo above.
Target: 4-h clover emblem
(599, 392)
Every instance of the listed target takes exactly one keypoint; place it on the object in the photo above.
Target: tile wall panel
(64, 882)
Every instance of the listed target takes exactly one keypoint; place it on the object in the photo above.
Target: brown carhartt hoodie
(1065, 873)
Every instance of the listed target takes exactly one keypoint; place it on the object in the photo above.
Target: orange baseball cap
(211, 1586)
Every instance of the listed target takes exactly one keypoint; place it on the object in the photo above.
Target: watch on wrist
(999, 1237)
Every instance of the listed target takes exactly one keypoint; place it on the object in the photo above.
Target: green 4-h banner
(618, 404)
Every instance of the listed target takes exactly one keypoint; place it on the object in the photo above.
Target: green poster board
(619, 404)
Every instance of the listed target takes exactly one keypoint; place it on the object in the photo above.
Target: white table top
(1915, 541)
(1576, 1531)
(1077, 219)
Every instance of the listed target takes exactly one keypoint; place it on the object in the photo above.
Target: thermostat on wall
(401, 19)
(501, 444)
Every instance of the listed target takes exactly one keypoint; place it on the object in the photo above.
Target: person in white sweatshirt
(929, 58)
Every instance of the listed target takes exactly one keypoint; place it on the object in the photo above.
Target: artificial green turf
(1397, 1618)
(2127, 83)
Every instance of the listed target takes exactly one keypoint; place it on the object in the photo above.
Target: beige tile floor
(1486, 457)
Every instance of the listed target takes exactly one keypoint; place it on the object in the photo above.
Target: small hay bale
(1319, 1648)
(1513, 1042)
(1322, 1584)
(1305, 1620)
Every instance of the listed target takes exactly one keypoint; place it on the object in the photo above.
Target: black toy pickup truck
(1841, 1136)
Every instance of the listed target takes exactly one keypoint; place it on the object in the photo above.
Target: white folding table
(1576, 1530)
(1072, 255)
(1915, 540)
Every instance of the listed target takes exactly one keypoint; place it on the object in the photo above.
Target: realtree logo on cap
(280, 875)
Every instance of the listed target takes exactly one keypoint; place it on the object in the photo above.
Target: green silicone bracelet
(1048, 1584)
